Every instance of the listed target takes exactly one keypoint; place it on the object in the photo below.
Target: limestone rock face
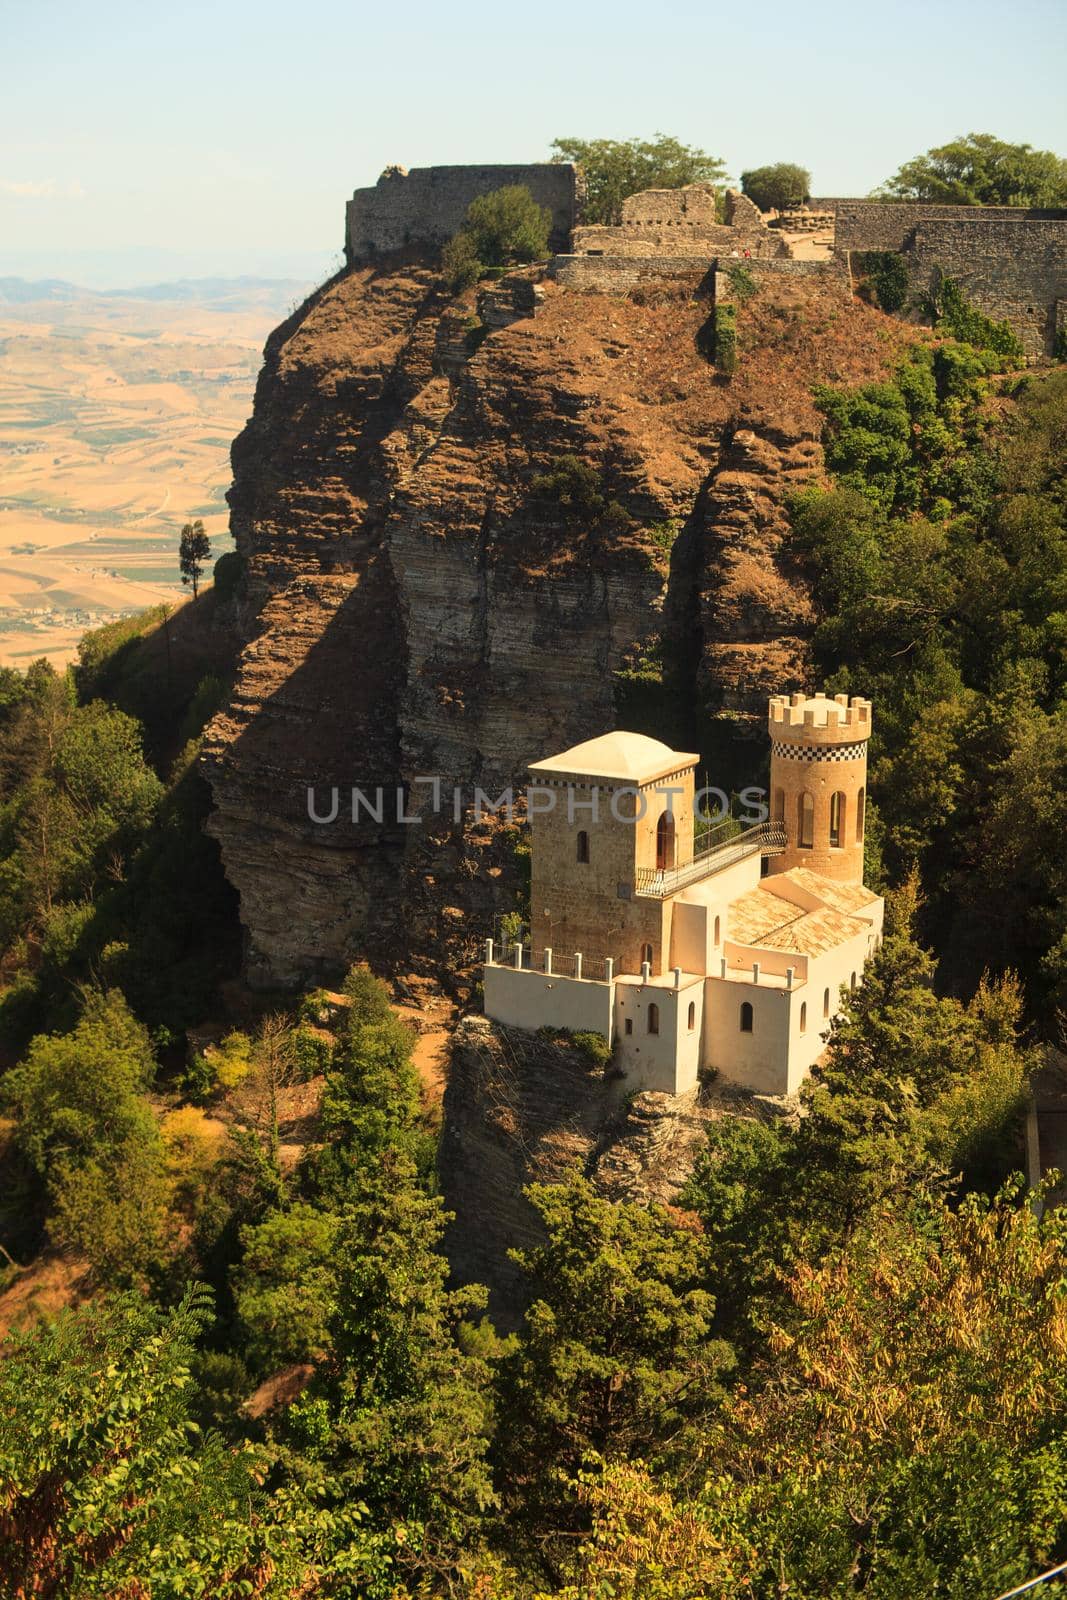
(522, 1109)
(414, 604)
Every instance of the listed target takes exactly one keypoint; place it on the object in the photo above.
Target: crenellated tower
(819, 782)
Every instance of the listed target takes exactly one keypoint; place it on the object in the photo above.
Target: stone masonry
(427, 205)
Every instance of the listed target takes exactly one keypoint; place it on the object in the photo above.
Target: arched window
(826, 1002)
(665, 842)
(718, 927)
(746, 1016)
(692, 1015)
(852, 983)
(646, 954)
(804, 1017)
(861, 802)
(837, 820)
(653, 1018)
(779, 806)
(805, 821)
(583, 846)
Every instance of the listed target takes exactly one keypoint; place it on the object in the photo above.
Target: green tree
(194, 548)
(398, 1414)
(904, 1435)
(981, 170)
(107, 1485)
(502, 228)
(88, 1130)
(615, 1356)
(286, 1286)
(778, 186)
(615, 168)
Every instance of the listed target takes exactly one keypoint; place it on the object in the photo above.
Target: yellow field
(116, 418)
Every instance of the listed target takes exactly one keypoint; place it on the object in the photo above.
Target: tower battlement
(820, 719)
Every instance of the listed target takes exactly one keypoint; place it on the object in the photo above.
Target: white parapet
(532, 1000)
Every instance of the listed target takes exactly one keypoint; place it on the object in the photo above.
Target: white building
(714, 950)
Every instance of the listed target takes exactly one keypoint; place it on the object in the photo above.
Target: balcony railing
(656, 883)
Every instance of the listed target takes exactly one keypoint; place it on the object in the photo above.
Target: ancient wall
(693, 206)
(619, 274)
(427, 205)
(1008, 268)
(889, 225)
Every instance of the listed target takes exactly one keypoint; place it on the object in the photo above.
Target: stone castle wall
(1011, 262)
(1008, 269)
(682, 223)
(890, 225)
(427, 205)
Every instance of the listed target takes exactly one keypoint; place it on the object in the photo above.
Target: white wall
(535, 1000)
(758, 1060)
(669, 1060)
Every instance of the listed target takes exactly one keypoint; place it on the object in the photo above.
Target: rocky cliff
(419, 598)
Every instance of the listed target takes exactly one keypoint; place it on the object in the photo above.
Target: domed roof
(633, 757)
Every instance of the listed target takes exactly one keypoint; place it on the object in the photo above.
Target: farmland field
(116, 416)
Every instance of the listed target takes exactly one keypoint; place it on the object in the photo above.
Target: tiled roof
(762, 918)
(839, 896)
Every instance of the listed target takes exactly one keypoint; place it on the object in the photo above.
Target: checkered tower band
(819, 752)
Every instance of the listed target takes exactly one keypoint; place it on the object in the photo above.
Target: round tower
(819, 782)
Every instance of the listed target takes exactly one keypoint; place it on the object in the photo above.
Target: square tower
(606, 816)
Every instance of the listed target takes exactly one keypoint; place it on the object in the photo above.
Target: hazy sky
(139, 139)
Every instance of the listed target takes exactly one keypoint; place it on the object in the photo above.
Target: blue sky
(138, 141)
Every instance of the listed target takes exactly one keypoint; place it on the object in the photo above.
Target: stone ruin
(1010, 262)
(682, 222)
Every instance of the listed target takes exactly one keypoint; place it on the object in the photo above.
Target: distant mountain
(19, 291)
(221, 294)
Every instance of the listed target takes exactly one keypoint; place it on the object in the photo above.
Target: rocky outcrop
(416, 603)
(519, 1109)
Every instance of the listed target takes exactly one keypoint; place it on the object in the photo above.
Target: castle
(689, 951)
(1011, 262)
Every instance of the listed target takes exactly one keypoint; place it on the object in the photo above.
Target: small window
(826, 1002)
(653, 1018)
(852, 983)
(692, 1015)
(805, 821)
(718, 928)
(746, 1016)
(628, 1025)
(804, 1017)
(583, 846)
(861, 802)
(646, 954)
(779, 805)
(837, 820)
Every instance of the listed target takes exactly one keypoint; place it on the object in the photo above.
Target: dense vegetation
(615, 168)
(981, 170)
(504, 228)
(835, 1368)
(778, 186)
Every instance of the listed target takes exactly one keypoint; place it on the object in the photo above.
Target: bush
(743, 284)
(884, 279)
(777, 187)
(953, 313)
(593, 1046)
(502, 228)
(724, 352)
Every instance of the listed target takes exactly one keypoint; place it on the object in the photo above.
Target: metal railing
(656, 883)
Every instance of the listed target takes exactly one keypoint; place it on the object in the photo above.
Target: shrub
(953, 313)
(593, 1046)
(502, 228)
(724, 352)
(743, 284)
(884, 279)
(778, 186)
